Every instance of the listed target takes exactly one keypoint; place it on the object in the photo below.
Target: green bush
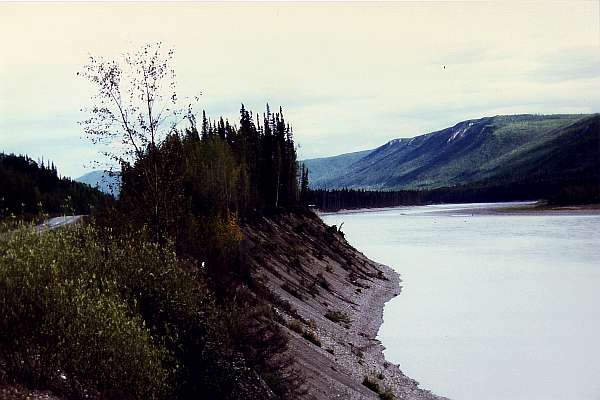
(88, 314)
(66, 323)
(307, 334)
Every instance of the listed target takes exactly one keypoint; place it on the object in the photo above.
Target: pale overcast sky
(350, 76)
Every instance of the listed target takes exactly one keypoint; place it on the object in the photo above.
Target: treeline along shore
(550, 193)
(585, 190)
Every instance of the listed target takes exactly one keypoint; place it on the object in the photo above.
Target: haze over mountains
(105, 181)
(491, 150)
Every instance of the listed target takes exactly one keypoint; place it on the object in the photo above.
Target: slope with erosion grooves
(315, 272)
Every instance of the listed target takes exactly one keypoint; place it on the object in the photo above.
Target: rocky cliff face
(330, 300)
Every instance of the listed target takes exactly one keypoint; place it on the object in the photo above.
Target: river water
(493, 306)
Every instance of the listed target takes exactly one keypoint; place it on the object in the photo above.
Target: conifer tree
(304, 189)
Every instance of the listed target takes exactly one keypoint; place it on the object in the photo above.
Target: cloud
(349, 76)
(568, 64)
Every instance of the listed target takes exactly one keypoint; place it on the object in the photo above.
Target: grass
(296, 326)
(387, 394)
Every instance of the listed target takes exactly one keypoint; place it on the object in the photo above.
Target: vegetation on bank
(153, 299)
(90, 314)
(339, 317)
(376, 386)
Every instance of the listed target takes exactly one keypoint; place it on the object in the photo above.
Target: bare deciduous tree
(134, 108)
(135, 104)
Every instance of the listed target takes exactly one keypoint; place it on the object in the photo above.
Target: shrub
(381, 275)
(307, 334)
(371, 384)
(311, 337)
(338, 317)
(323, 282)
(65, 323)
(88, 314)
(296, 326)
(387, 394)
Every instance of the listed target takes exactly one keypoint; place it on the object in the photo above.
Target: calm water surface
(493, 307)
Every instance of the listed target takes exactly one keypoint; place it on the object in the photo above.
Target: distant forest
(28, 187)
(553, 192)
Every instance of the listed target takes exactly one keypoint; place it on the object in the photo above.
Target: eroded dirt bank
(332, 308)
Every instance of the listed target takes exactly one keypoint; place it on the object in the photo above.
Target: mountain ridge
(470, 151)
(106, 181)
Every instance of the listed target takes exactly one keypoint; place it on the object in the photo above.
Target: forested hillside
(325, 168)
(28, 188)
(553, 159)
(469, 152)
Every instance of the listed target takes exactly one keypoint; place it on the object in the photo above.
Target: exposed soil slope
(332, 303)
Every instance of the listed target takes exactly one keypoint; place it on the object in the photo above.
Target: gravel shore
(338, 295)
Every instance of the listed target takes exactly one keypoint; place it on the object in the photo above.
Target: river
(494, 306)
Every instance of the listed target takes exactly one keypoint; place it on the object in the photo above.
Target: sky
(349, 76)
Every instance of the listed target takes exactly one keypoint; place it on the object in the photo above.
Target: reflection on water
(493, 306)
